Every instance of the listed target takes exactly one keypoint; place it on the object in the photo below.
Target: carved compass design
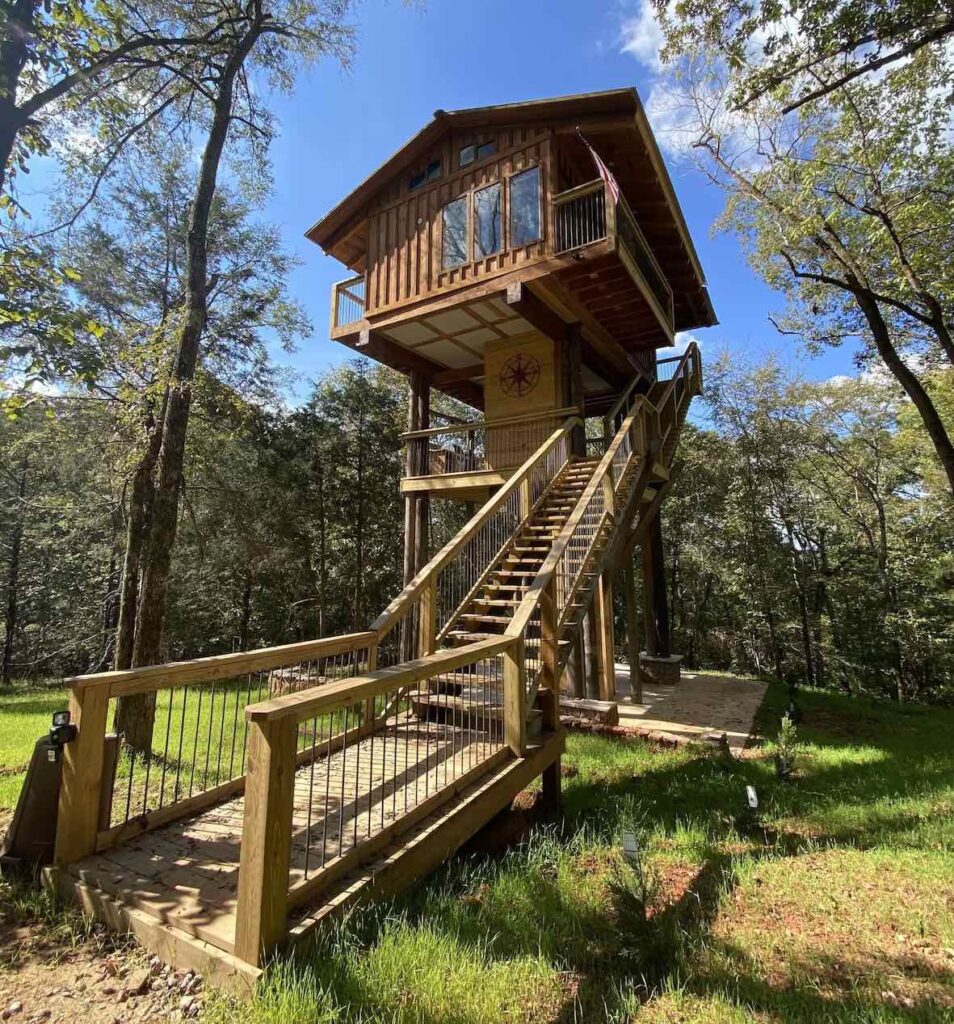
(519, 375)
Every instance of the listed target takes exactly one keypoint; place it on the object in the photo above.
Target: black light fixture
(61, 733)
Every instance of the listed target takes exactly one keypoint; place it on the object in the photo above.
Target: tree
(809, 48)
(846, 208)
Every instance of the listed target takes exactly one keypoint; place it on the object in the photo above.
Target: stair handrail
(391, 615)
(602, 477)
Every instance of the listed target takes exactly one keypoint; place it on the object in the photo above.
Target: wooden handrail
(220, 666)
(466, 428)
(306, 704)
(525, 610)
(383, 623)
(578, 190)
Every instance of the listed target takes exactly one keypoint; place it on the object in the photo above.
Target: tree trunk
(17, 31)
(632, 632)
(13, 581)
(912, 386)
(153, 596)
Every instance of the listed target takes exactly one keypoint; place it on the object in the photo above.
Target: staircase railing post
(549, 639)
(515, 698)
(428, 637)
(82, 774)
(262, 911)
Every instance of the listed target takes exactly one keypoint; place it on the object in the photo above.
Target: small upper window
(525, 207)
(476, 151)
(431, 173)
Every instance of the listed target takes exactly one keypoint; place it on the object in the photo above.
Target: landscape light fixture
(61, 733)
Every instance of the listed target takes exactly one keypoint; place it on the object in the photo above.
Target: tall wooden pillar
(603, 616)
(416, 508)
(655, 602)
(632, 632)
(571, 376)
(591, 655)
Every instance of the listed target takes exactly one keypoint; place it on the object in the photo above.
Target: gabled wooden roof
(616, 124)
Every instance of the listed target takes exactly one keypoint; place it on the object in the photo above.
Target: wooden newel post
(82, 775)
(266, 838)
(428, 624)
(515, 698)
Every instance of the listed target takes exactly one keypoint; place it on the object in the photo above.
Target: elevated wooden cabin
(492, 261)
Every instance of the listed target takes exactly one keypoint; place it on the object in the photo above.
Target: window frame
(504, 181)
(540, 213)
(501, 234)
(467, 249)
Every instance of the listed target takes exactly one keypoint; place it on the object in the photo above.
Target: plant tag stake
(630, 847)
(752, 797)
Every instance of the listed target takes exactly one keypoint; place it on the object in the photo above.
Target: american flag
(605, 173)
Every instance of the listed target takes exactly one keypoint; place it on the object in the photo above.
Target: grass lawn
(836, 905)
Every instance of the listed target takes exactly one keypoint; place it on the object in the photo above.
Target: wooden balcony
(593, 252)
(586, 216)
(468, 460)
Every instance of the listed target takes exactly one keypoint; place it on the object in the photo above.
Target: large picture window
(488, 221)
(454, 234)
(525, 208)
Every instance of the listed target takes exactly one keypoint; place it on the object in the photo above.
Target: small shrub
(786, 748)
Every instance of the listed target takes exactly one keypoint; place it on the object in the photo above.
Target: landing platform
(427, 788)
(700, 704)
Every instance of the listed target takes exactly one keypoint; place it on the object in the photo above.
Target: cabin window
(487, 221)
(525, 207)
(454, 236)
(476, 151)
(430, 173)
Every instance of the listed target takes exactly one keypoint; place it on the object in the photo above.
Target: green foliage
(808, 537)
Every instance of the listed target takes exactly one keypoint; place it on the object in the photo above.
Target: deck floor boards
(186, 873)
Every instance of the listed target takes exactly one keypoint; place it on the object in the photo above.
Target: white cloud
(641, 36)
(684, 339)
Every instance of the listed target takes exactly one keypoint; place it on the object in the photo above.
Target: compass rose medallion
(519, 375)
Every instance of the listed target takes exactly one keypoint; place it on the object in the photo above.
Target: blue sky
(338, 126)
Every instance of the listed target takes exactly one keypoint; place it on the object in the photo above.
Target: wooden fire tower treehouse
(529, 260)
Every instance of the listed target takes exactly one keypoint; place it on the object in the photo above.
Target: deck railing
(425, 611)
(193, 750)
(569, 575)
(432, 725)
(348, 301)
(579, 216)
(480, 446)
(588, 214)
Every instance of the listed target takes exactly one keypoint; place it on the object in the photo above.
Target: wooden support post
(82, 775)
(550, 647)
(262, 913)
(515, 699)
(574, 369)
(525, 499)
(591, 670)
(655, 602)
(428, 624)
(632, 632)
(603, 616)
(574, 666)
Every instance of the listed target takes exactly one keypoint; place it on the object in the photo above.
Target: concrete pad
(700, 704)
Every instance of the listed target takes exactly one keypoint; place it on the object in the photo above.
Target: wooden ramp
(405, 798)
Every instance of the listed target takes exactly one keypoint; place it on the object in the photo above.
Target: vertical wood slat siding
(404, 250)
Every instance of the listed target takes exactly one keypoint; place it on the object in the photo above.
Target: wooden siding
(404, 230)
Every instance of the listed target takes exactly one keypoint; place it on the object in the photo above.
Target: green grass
(834, 906)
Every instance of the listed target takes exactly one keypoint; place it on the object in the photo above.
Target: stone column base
(660, 671)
